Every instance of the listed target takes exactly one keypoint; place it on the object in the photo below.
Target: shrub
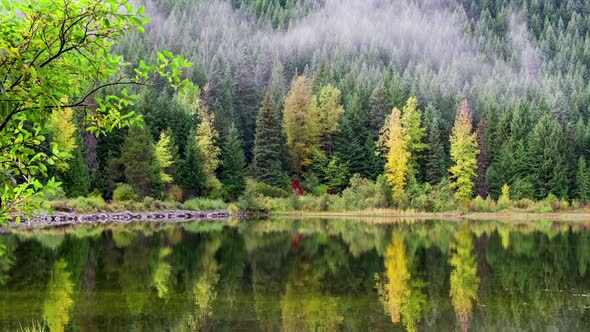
(204, 204)
(124, 192)
(362, 194)
(504, 200)
(87, 204)
(250, 201)
(270, 191)
(524, 203)
(175, 193)
(443, 197)
(483, 205)
(148, 201)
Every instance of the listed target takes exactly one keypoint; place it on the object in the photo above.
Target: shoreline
(178, 216)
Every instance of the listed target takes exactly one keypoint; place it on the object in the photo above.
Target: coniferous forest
(343, 105)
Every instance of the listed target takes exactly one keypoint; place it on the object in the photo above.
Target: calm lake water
(298, 275)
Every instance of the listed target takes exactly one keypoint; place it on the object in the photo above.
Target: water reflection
(298, 275)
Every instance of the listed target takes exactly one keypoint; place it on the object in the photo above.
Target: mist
(420, 38)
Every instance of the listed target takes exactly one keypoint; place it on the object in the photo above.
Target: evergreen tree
(436, 161)
(583, 181)
(233, 175)
(378, 107)
(246, 100)
(546, 161)
(268, 145)
(75, 180)
(138, 156)
(464, 154)
(481, 188)
(191, 175)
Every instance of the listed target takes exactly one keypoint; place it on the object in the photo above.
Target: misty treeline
(298, 95)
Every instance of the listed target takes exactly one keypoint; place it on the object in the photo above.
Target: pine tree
(138, 155)
(75, 180)
(233, 175)
(394, 141)
(583, 181)
(300, 124)
(481, 187)
(436, 160)
(464, 154)
(192, 176)
(547, 165)
(378, 107)
(246, 100)
(267, 165)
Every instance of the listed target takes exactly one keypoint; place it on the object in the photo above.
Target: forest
(305, 104)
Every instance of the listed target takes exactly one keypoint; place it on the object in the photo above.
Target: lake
(298, 275)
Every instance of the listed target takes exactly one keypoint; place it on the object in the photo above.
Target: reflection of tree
(401, 296)
(59, 298)
(204, 289)
(464, 279)
(162, 273)
(7, 258)
(304, 306)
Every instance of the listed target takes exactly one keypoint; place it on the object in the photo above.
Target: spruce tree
(75, 180)
(233, 175)
(268, 145)
(583, 181)
(481, 187)
(436, 160)
(191, 175)
(546, 161)
(138, 155)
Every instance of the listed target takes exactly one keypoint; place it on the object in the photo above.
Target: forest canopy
(423, 103)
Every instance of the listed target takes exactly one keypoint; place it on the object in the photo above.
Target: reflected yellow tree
(56, 309)
(464, 279)
(204, 289)
(162, 273)
(304, 306)
(401, 296)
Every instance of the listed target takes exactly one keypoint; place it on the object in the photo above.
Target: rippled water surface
(298, 275)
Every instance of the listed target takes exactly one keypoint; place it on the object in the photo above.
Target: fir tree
(583, 181)
(436, 164)
(464, 154)
(192, 177)
(75, 180)
(138, 156)
(268, 145)
(233, 175)
(481, 188)
(546, 161)
(411, 122)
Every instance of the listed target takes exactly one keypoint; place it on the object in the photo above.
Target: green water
(298, 275)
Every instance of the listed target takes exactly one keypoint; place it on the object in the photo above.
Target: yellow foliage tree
(464, 153)
(300, 123)
(206, 143)
(164, 156)
(328, 111)
(394, 142)
(56, 309)
(63, 129)
(464, 279)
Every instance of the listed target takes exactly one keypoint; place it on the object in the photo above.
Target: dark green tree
(583, 181)
(269, 145)
(233, 175)
(547, 166)
(436, 160)
(138, 155)
(75, 180)
(191, 175)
